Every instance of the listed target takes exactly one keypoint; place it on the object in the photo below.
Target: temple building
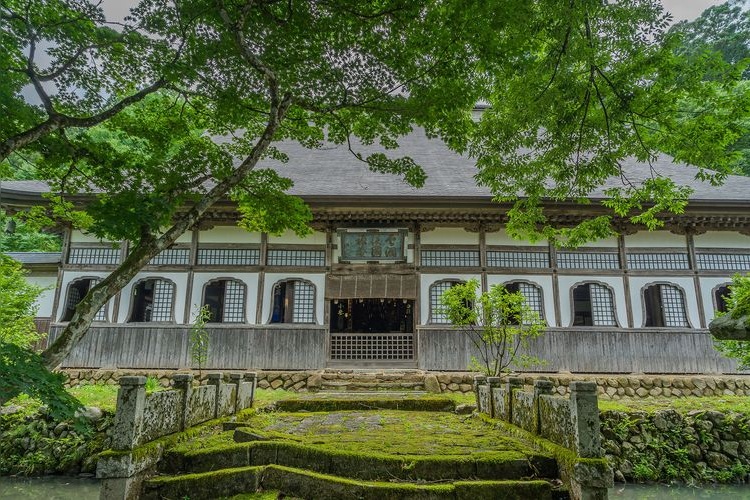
(363, 290)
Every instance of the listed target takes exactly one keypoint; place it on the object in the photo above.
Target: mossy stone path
(390, 432)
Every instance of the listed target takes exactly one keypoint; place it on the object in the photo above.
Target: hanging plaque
(370, 245)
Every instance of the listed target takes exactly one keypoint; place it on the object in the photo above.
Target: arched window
(721, 294)
(665, 306)
(531, 292)
(225, 299)
(77, 290)
(437, 289)
(593, 305)
(152, 301)
(293, 302)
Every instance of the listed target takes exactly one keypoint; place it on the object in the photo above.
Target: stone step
(305, 484)
(367, 384)
(254, 448)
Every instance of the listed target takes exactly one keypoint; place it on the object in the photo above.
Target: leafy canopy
(738, 308)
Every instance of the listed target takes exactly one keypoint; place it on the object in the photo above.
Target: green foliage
(738, 306)
(499, 323)
(17, 305)
(24, 372)
(152, 384)
(199, 338)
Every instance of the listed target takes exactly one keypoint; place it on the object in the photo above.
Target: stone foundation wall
(665, 446)
(610, 387)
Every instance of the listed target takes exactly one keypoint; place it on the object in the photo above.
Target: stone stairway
(374, 446)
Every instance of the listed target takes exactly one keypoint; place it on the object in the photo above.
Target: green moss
(427, 403)
(739, 404)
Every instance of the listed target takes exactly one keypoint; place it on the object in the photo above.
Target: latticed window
(228, 256)
(536, 260)
(723, 261)
(152, 301)
(450, 258)
(225, 300)
(530, 292)
(297, 258)
(721, 294)
(94, 256)
(293, 302)
(437, 310)
(77, 290)
(668, 261)
(593, 305)
(172, 257)
(588, 260)
(665, 306)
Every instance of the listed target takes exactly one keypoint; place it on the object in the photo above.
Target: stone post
(587, 481)
(478, 380)
(215, 380)
(541, 388)
(236, 379)
(511, 384)
(584, 411)
(184, 382)
(494, 383)
(131, 401)
(252, 377)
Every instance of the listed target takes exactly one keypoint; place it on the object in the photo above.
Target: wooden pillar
(64, 254)
(418, 274)
(263, 259)
(124, 249)
(191, 275)
(483, 256)
(625, 279)
(690, 241)
(555, 282)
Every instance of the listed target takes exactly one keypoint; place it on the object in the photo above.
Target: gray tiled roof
(334, 171)
(31, 258)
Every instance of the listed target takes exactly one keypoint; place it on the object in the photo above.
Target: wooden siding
(590, 350)
(230, 348)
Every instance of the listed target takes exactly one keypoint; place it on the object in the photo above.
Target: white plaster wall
(655, 239)
(544, 282)
(47, 298)
(449, 236)
(318, 279)
(427, 280)
(186, 237)
(501, 237)
(566, 307)
(251, 294)
(289, 238)
(180, 281)
(722, 239)
(68, 277)
(603, 243)
(228, 234)
(687, 285)
(77, 236)
(707, 292)
(408, 240)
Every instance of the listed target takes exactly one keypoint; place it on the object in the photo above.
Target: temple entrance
(375, 330)
(372, 316)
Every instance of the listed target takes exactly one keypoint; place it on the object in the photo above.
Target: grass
(739, 404)
(101, 396)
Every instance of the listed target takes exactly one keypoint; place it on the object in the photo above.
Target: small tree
(738, 311)
(199, 338)
(499, 323)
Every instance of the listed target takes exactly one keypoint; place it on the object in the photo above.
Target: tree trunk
(142, 253)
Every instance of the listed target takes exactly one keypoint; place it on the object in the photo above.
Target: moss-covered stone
(216, 484)
(407, 404)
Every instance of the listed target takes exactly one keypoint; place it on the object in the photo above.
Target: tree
(199, 339)
(22, 369)
(735, 323)
(597, 82)
(499, 324)
(723, 29)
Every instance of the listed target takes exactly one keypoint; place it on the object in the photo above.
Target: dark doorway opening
(372, 316)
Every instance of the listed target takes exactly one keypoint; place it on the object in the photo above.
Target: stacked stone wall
(699, 446)
(611, 387)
